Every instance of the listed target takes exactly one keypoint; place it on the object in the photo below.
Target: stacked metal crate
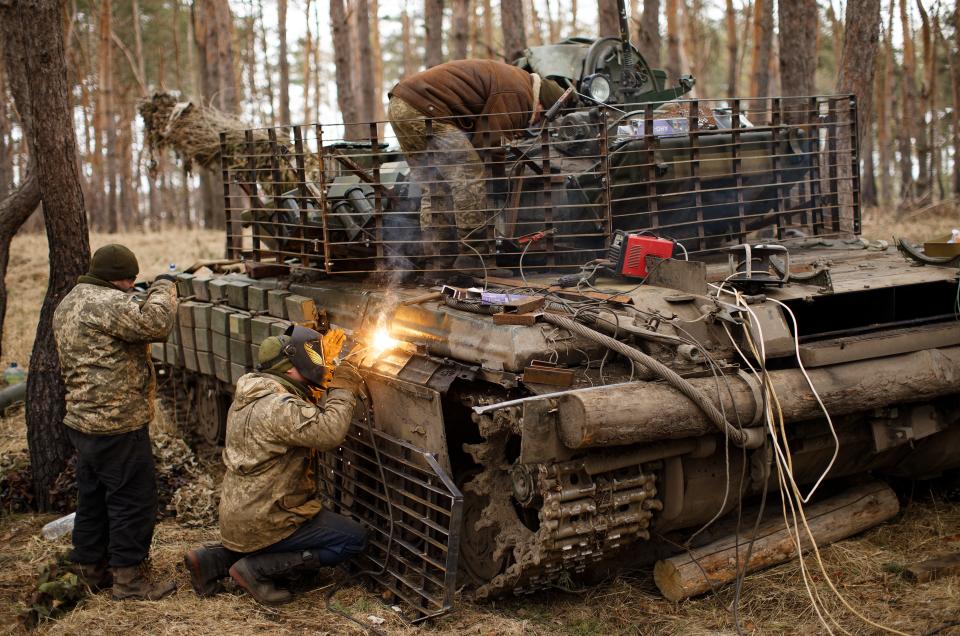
(221, 322)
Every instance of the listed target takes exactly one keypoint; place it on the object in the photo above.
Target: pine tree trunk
(884, 100)
(284, 63)
(433, 32)
(488, 29)
(924, 184)
(608, 17)
(267, 66)
(6, 145)
(459, 30)
(908, 100)
(673, 41)
(649, 42)
(53, 145)
(797, 51)
(514, 35)
(534, 25)
(368, 89)
(406, 36)
(106, 102)
(731, 23)
(693, 45)
(762, 48)
(861, 34)
(342, 46)
(955, 111)
(376, 55)
(305, 67)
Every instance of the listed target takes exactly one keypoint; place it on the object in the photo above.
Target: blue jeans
(334, 538)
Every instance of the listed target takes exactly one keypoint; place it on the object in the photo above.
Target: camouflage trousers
(447, 168)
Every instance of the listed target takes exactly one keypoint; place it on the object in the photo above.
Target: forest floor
(866, 569)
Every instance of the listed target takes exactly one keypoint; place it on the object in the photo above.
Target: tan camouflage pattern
(269, 488)
(103, 337)
(450, 174)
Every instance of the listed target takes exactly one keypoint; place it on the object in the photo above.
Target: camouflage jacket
(103, 337)
(269, 488)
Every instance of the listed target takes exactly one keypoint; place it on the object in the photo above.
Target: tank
(601, 403)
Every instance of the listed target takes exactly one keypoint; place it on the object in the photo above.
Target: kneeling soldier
(271, 521)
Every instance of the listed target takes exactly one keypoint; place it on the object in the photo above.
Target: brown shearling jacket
(464, 89)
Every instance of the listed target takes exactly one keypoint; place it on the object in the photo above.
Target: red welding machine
(629, 252)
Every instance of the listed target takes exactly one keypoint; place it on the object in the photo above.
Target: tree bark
(703, 569)
(923, 109)
(955, 114)
(406, 37)
(861, 34)
(884, 100)
(649, 41)
(342, 46)
(15, 209)
(731, 24)
(459, 29)
(514, 35)
(488, 29)
(284, 63)
(608, 17)
(53, 147)
(305, 67)
(368, 89)
(798, 53)
(762, 46)
(108, 119)
(673, 40)
(376, 56)
(433, 32)
(908, 100)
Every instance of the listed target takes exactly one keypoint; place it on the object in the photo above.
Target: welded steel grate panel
(706, 173)
(413, 551)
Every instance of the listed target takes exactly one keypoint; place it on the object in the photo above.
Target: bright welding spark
(382, 341)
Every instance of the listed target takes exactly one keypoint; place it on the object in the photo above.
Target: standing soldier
(103, 335)
(271, 519)
(472, 104)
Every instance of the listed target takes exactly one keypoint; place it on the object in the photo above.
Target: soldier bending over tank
(271, 520)
(102, 338)
(472, 103)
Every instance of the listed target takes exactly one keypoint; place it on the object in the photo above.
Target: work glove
(346, 377)
(332, 342)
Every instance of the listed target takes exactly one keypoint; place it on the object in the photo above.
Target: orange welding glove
(332, 342)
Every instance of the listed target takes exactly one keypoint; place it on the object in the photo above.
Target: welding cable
(740, 437)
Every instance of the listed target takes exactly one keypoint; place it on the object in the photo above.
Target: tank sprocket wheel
(211, 411)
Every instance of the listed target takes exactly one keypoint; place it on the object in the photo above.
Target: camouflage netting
(57, 592)
(193, 130)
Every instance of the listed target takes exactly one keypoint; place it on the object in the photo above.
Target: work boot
(96, 576)
(256, 573)
(207, 565)
(134, 582)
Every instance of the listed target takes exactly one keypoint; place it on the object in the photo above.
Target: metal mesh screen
(707, 173)
(413, 519)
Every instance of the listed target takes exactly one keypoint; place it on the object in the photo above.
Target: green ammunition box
(185, 285)
(256, 298)
(174, 336)
(185, 313)
(220, 320)
(221, 345)
(278, 327)
(218, 287)
(254, 355)
(186, 337)
(237, 293)
(275, 305)
(202, 339)
(240, 327)
(158, 351)
(200, 289)
(205, 362)
(260, 328)
(201, 315)
(300, 309)
(240, 352)
(221, 368)
(237, 371)
(172, 356)
(190, 359)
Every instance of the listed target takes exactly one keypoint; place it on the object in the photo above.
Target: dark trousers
(116, 498)
(332, 537)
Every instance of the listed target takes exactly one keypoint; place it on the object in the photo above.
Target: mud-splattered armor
(102, 337)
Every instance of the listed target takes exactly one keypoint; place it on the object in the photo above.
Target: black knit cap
(114, 262)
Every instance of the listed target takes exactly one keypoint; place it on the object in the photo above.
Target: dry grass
(773, 602)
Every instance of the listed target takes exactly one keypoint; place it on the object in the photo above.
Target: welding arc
(740, 437)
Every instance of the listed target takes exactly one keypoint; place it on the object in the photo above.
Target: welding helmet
(303, 348)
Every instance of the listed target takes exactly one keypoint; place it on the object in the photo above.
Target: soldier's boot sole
(262, 590)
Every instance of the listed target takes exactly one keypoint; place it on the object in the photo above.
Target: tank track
(583, 519)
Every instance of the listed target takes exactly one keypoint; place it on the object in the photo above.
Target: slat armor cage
(707, 173)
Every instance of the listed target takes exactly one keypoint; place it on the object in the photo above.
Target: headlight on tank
(597, 88)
